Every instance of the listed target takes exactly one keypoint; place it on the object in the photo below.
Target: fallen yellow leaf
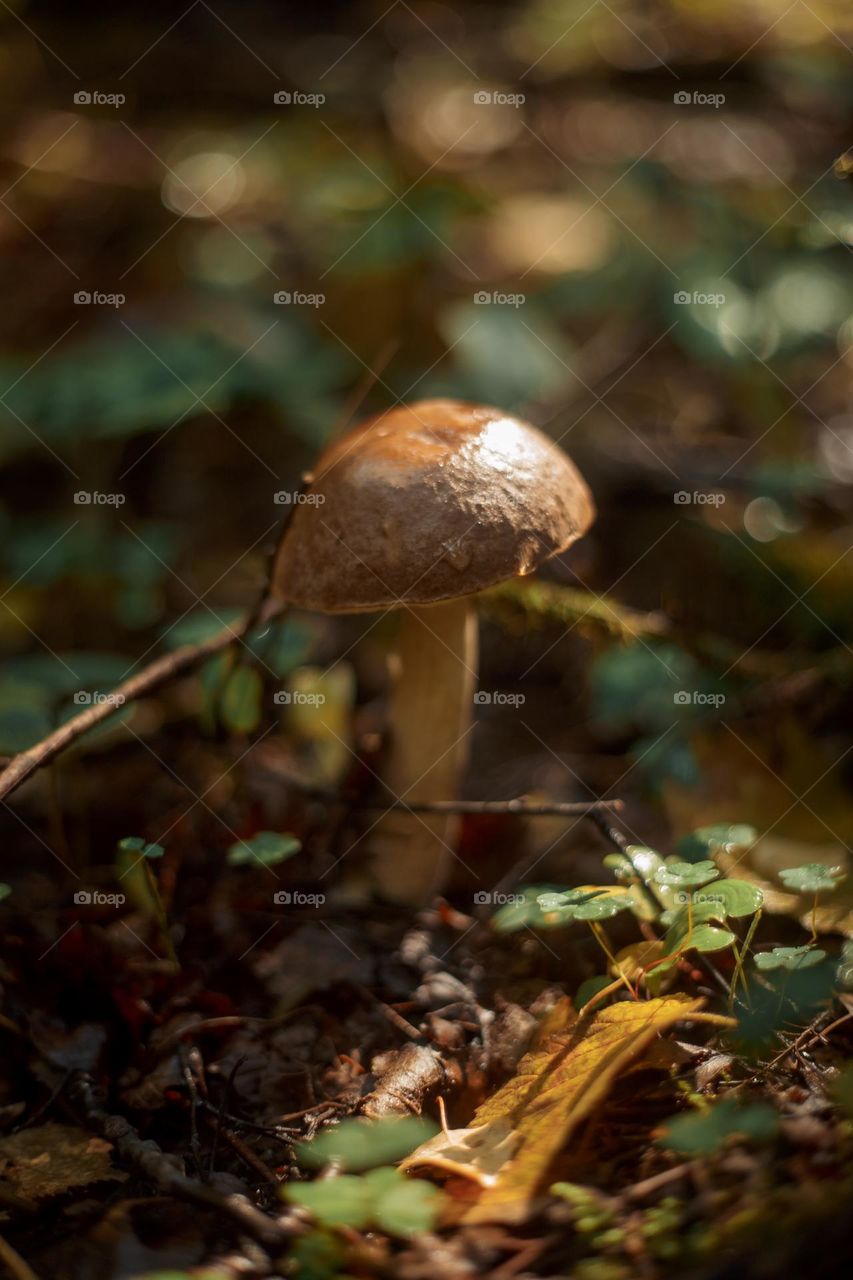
(516, 1134)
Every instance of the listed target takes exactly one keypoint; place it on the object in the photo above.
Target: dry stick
(150, 1162)
(520, 805)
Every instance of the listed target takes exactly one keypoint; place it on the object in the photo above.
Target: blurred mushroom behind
(418, 509)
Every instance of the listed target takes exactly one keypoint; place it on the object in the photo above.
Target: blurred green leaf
(363, 1144)
(702, 1132)
(722, 837)
(136, 845)
(240, 704)
(267, 847)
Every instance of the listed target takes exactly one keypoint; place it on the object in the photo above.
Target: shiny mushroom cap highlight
(427, 502)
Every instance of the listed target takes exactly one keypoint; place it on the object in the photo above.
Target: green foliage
(317, 1255)
(789, 958)
(240, 701)
(383, 1198)
(114, 386)
(525, 911)
(841, 1089)
(500, 361)
(590, 988)
(702, 1132)
(721, 837)
(356, 1145)
(232, 694)
(727, 898)
(37, 692)
(538, 908)
(268, 848)
(577, 904)
(812, 877)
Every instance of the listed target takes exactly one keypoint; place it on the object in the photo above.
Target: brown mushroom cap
(426, 502)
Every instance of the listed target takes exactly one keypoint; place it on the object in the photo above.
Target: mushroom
(417, 509)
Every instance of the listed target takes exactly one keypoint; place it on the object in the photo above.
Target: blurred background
(225, 226)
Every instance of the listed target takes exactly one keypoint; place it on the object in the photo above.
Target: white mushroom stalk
(427, 751)
(418, 509)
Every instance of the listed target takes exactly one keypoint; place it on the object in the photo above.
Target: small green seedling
(812, 877)
(133, 865)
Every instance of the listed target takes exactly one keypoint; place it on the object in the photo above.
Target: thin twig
(519, 806)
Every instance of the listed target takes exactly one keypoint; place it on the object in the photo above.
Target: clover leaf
(686, 875)
(790, 958)
(811, 877)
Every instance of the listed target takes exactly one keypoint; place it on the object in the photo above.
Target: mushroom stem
(431, 713)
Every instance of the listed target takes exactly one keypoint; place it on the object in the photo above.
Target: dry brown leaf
(517, 1133)
(38, 1163)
